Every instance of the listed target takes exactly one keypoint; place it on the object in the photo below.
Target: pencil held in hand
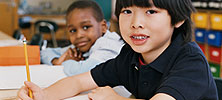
(27, 65)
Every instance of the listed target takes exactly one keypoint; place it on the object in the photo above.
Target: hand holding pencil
(38, 93)
(27, 65)
(25, 92)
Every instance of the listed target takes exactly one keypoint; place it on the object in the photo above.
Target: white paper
(119, 89)
(10, 43)
(13, 77)
(79, 97)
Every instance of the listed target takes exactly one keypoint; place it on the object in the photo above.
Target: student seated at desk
(92, 43)
(159, 61)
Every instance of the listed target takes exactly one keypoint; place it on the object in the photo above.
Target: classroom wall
(56, 4)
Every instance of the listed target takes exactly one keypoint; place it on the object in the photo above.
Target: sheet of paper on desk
(79, 97)
(119, 89)
(13, 77)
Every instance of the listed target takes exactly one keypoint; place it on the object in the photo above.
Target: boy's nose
(80, 34)
(137, 22)
(137, 26)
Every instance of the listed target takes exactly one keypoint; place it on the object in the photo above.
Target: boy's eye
(86, 27)
(72, 30)
(126, 11)
(151, 12)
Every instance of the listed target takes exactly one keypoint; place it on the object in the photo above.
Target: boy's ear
(104, 26)
(179, 24)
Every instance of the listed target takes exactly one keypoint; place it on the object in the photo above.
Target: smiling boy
(158, 62)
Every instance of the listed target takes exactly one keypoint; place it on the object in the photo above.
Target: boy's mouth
(139, 39)
(82, 44)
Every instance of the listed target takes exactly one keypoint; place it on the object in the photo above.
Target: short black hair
(179, 10)
(87, 4)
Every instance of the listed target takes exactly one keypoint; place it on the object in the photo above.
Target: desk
(8, 94)
(13, 77)
(6, 40)
(11, 94)
(4, 36)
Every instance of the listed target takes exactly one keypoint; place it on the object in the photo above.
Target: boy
(159, 61)
(88, 32)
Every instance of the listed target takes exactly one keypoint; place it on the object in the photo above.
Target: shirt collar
(163, 60)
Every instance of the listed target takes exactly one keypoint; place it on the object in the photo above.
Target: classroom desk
(11, 94)
(6, 40)
(8, 94)
(4, 36)
(13, 77)
(10, 83)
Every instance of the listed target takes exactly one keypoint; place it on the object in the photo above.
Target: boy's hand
(36, 91)
(104, 93)
(72, 54)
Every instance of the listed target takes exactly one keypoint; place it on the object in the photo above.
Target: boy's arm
(70, 86)
(49, 54)
(158, 96)
(67, 87)
(162, 96)
(72, 67)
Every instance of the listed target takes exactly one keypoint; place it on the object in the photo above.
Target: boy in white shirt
(92, 43)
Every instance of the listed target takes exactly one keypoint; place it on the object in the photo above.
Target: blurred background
(20, 16)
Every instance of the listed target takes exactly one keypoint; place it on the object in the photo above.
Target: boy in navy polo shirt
(159, 61)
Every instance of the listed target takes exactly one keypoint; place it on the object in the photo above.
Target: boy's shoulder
(111, 35)
(191, 47)
(109, 39)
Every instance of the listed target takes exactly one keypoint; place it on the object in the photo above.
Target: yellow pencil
(27, 65)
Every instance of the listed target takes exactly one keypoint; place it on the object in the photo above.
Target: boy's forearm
(62, 89)
(70, 86)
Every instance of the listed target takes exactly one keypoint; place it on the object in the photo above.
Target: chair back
(37, 39)
(25, 22)
(45, 26)
(18, 35)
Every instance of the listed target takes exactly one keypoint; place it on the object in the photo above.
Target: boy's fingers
(75, 52)
(80, 55)
(90, 96)
(23, 94)
(32, 86)
(18, 98)
(71, 52)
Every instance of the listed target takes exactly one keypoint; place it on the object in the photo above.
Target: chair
(25, 22)
(18, 35)
(46, 26)
(219, 87)
(37, 39)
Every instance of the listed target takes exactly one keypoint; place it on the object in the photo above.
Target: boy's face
(83, 28)
(147, 30)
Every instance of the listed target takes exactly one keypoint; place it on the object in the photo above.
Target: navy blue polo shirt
(181, 71)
